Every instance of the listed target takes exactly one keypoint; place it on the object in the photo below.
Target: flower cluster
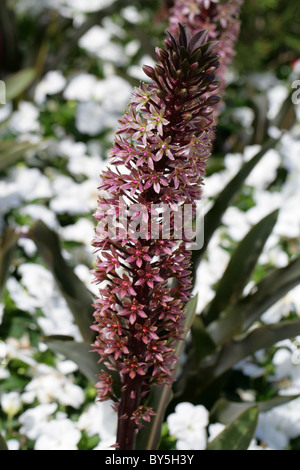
(158, 156)
(220, 19)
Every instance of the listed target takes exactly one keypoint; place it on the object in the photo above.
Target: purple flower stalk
(220, 18)
(158, 157)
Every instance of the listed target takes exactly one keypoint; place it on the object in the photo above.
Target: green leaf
(80, 353)
(3, 445)
(8, 245)
(238, 434)
(19, 82)
(240, 267)
(260, 338)
(268, 291)
(225, 411)
(202, 341)
(250, 308)
(160, 396)
(214, 216)
(78, 297)
(11, 152)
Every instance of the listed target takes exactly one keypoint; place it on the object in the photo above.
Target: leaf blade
(238, 434)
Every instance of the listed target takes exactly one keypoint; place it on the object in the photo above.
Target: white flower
(88, 5)
(34, 419)
(214, 430)
(277, 426)
(82, 231)
(52, 83)
(9, 196)
(50, 385)
(276, 97)
(95, 39)
(101, 419)
(188, 426)
(74, 198)
(58, 434)
(106, 445)
(85, 275)
(131, 14)
(81, 87)
(13, 444)
(11, 403)
(40, 212)
(5, 111)
(114, 93)
(25, 120)
(91, 118)
(31, 183)
(264, 173)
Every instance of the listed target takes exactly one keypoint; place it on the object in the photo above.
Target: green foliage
(238, 434)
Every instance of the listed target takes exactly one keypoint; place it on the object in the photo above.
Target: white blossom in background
(131, 14)
(276, 96)
(91, 118)
(81, 87)
(26, 119)
(82, 231)
(73, 198)
(52, 83)
(59, 434)
(188, 425)
(277, 426)
(11, 403)
(101, 419)
(214, 430)
(37, 289)
(87, 6)
(49, 385)
(5, 111)
(31, 183)
(13, 444)
(33, 420)
(264, 173)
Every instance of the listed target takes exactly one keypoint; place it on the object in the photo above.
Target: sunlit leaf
(8, 244)
(238, 434)
(240, 267)
(3, 445)
(19, 82)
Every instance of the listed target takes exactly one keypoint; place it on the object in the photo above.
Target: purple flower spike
(221, 21)
(156, 167)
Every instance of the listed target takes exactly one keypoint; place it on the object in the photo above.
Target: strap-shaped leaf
(3, 445)
(8, 244)
(11, 152)
(260, 338)
(268, 291)
(225, 411)
(214, 216)
(78, 297)
(80, 353)
(250, 308)
(19, 82)
(240, 267)
(238, 434)
(149, 436)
